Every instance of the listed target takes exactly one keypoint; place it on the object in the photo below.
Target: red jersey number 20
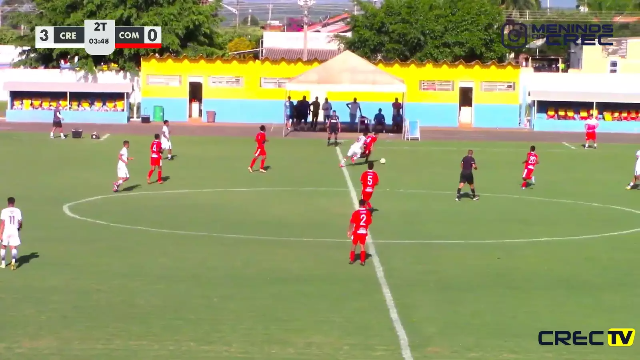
(533, 159)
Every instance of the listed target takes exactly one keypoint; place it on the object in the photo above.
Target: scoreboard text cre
(99, 37)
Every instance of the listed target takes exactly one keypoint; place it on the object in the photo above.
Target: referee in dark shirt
(468, 164)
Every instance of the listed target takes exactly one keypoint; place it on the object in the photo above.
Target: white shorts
(638, 171)
(166, 145)
(122, 171)
(11, 239)
(354, 151)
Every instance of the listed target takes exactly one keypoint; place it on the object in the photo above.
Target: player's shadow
(25, 259)
(267, 167)
(166, 178)
(466, 195)
(365, 162)
(173, 157)
(530, 185)
(131, 187)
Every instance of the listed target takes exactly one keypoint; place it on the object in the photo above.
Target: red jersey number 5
(369, 180)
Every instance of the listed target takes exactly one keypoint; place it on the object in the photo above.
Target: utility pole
(305, 4)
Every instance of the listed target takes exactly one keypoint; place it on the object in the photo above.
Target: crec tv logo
(615, 337)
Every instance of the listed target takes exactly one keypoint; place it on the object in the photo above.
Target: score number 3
(45, 35)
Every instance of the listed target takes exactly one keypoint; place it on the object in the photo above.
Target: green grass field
(218, 263)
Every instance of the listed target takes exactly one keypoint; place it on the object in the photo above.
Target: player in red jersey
(529, 166)
(369, 181)
(156, 159)
(358, 232)
(368, 145)
(261, 139)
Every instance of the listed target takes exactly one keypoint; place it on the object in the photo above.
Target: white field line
(386, 291)
(461, 149)
(571, 146)
(104, 137)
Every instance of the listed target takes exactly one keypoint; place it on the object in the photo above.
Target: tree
(8, 35)
(240, 44)
(521, 5)
(250, 21)
(435, 30)
(188, 28)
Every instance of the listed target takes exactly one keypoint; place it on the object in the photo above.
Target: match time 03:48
(98, 41)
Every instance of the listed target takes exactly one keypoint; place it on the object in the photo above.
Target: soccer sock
(473, 192)
(344, 160)
(14, 255)
(119, 182)
(458, 192)
(363, 256)
(150, 173)
(3, 254)
(533, 179)
(262, 163)
(329, 139)
(159, 175)
(352, 255)
(253, 162)
(52, 134)
(524, 184)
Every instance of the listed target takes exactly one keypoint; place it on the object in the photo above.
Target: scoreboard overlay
(98, 37)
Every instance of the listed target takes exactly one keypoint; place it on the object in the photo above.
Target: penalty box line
(386, 291)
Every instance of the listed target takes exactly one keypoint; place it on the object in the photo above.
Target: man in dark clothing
(333, 128)
(315, 112)
(467, 165)
(303, 106)
(57, 121)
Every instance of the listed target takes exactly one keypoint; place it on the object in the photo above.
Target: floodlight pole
(305, 4)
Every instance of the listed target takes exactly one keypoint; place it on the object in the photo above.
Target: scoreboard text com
(99, 37)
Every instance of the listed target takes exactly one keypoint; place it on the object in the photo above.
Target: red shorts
(366, 195)
(358, 239)
(367, 151)
(527, 173)
(260, 152)
(590, 136)
(156, 161)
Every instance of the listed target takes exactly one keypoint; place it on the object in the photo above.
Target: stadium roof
(347, 72)
(594, 97)
(68, 87)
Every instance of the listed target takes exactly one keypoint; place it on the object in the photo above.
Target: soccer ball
(382, 161)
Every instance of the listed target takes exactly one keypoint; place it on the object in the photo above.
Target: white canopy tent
(348, 72)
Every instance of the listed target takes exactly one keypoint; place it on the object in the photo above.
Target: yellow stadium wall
(251, 103)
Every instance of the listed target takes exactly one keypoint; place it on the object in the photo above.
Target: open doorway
(195, 97)
(465, 103)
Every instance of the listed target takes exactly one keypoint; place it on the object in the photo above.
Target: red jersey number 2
(363, 220)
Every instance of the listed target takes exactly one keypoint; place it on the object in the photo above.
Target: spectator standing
(288, 112)
(354, 109)
(57, 121)
(326, 110)
(304, 111)
(315, 112)
(379, 121)
(397, 118)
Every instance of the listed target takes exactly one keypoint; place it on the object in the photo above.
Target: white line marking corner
(386, 291)
(571, 146)
(104, 137)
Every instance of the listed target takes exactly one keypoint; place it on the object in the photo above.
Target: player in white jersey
(10, 225)
(123, 161)
(636, 175)
(166, 140)
(354, 151)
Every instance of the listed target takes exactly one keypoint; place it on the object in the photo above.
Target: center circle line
(68, 212)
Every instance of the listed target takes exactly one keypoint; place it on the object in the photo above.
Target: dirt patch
(249, 130)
